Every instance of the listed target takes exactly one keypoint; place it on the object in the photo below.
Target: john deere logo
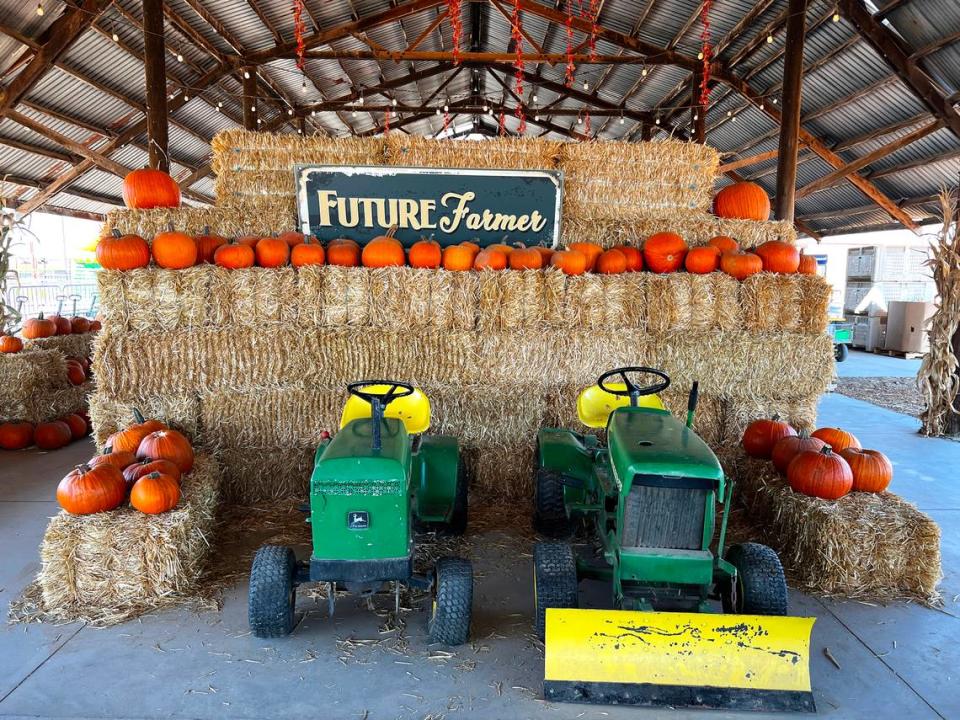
(358, 520)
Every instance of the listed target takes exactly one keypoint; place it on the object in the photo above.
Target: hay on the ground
(108, 567)
(179, 410)
(78, 345)
(864, 545)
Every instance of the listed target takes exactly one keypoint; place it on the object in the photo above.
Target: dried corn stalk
(937, 378)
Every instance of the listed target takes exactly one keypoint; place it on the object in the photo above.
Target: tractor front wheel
(450, 614)
(550, 512)
(273, 591)
(760, 587)
(554, 580)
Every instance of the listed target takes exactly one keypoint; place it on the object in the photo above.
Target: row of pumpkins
(51, 435)
(828, 463)
(144, 463)
(44, 327)
(661, 253)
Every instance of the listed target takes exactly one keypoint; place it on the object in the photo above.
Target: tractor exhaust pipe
(692, 402)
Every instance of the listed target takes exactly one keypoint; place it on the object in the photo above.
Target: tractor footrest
(361, 571)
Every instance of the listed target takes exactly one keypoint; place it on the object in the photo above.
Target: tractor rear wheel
(550, 513)
(450, 614)
(554, 580)
(760, 587)
(273, 591)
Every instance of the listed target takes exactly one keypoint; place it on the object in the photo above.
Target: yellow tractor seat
(595, 405)
(412, 410)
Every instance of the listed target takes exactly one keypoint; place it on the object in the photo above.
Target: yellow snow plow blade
(732, 662)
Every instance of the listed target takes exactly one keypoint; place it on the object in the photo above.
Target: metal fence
(49, 299)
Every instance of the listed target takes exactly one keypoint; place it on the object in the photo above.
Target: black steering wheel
(631, 389)
(397, 390)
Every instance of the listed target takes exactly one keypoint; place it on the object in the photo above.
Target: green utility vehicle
(376, 481)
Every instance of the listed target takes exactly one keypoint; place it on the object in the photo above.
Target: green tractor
(376, 481)
(648, 501)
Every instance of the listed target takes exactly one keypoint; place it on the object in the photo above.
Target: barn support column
(790, 121)
(250, 98)
(155, 77)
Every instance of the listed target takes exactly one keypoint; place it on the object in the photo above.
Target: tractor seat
(595, 405)
(412, 410)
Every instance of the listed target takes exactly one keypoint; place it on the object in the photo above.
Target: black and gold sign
(452, 205)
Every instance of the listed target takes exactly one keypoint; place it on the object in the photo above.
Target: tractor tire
(550, 513)
(554, 580)
(760, 588)
(273, 592)
(840, 352)
(449, 622)
(458, 516)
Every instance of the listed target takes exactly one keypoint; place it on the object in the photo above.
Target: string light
(115, 37)
(186, 98)
(761, 105)
(770, 39)
(579, 120)
(446, 108)
(586, 85)
(394, 102)
(729, 113)
(535, 96)
(836, 16)
(290, 111)
(486, 108)
(536, 118)
(700, 55)
(621, 120)
(657, 120)
(259, 120)
(40, 9)
(643, 72)
(696, 116)
(774, 101)
(733, 119)
(254, 108)
(438, 111)
(353, 113)
(179, 57)
(246, 74)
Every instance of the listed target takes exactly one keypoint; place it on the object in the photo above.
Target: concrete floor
(864, 364)
(898, 661)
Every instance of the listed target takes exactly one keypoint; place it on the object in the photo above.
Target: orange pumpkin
(501, 247)
(147, 188)
(742, 201)
(62, 324)
(308, 252)
(86, 490)
(425, 254)
(75, 373)
(786, 448)
(15, 435)
(292, 238)
(155, 493)
(664, 252)
(10, 344)
(778, 256)
(343, 252)
(591, 251)
(820, 473)
(174, 250)
(207, 245)
(490, 259)
(569, 262)
(122, 252)
(169, 445)
(740, 265)
(837, 439)
(724, 243)
(472, 245)
(633, 255)
(234, 256)
(38, 327)
(95, 326)
(761, 435)
(458, 258)
(702, 260)
(248, 240)
(872, 470)
(137, 470)
(545, 254)
(79, 325)
(78, 426)
(118, 458)
(52, 435)
(611, 262)
(129, 439)
(384, 251)
(808, 265)
(272, 252)
(525, 259)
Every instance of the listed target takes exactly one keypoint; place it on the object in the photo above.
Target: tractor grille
(368, 489)
(664, 517)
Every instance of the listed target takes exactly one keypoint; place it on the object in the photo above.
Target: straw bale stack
(78, 345)
(864, 545)
(500, 153)
(180, 411)
(229, 221)
(106, 567)
(34, 387)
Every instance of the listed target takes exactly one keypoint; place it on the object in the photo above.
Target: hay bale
(109, 413)
(253, 475)
(241, 149)
(34, 387)
(230, 221)
(815, 295)
(504, 472)
(108, 567)
(740, 411)
(78, 345)
(497, 153)
(864, 545)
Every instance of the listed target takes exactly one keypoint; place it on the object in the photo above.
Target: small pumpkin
(122, 252)
(16, 435)
(742, 201)
(79, 325)
(272, 252)
(664, 252)
(118, 458)
(425, 254)
(292, 238)
(501, 247)
(86, 490)
(308, 252)
(168, 445)
(820, 473)
(634, 257)
(207, 245)
(458, 258)
(249, 240)
(702, 260)
(95, 326)
(490, 259)
(761, 435)
(128, 440)
(52, 435)
(147, 188)
(611, 262)
(472, 245)
(137, 470)
(545, 254)
(724, 243)
(38, 327)
(343, 252)
(525, 259)
(75, 373)
(808, 264)
(78, 426)
(837, 438)
(174, 250)
(786, 448)
(384, 251)
(872, 470)
(10, 344)
(569, 262)
(155, 493)
(591, 251)
(740, 265)
(62, 323)
(234, 256)
(778, 256)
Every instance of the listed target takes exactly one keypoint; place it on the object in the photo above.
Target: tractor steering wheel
(630, 389)
(397, 390)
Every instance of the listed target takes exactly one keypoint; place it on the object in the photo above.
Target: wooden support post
(250, 98)
(646, 132)
(790, 121)
(155, 77)
(698, 112)
(302, 125)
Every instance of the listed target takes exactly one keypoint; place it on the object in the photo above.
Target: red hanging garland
(707, 52)
(571, 68)
(456, 24)
(586, 122)
(502, 129)
(299, 29)
(518, 63)
(594, 11)
(386, 122)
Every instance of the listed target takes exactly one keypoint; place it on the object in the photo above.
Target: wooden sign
(451, 205)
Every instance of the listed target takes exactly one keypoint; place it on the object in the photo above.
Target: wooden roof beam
(880, 132)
